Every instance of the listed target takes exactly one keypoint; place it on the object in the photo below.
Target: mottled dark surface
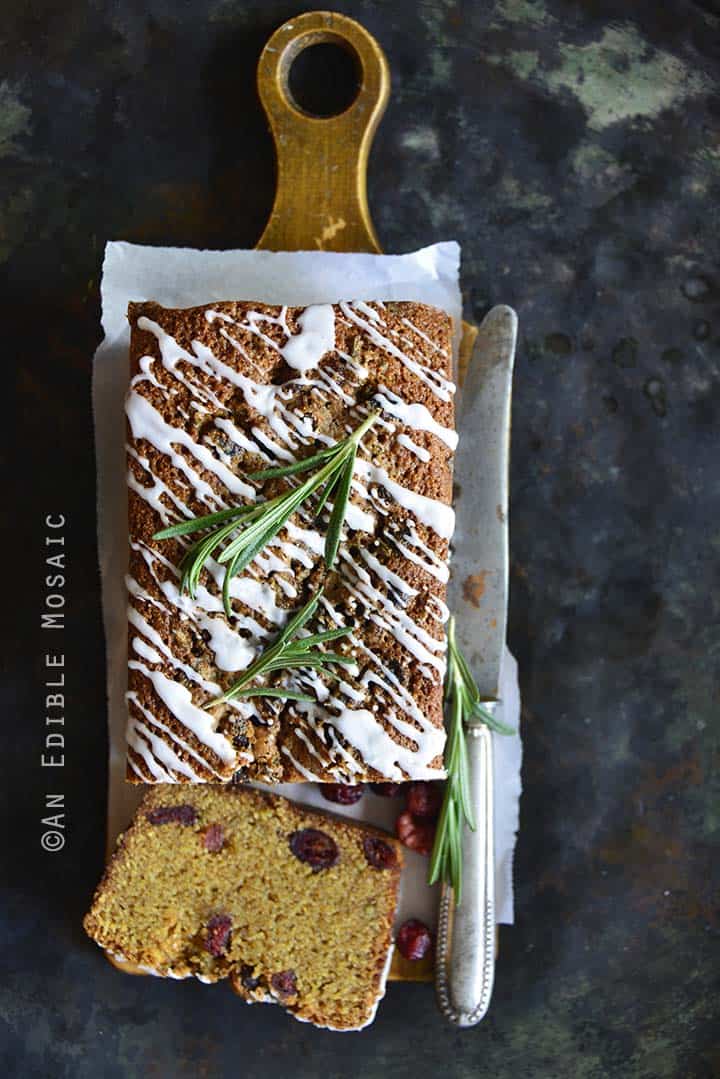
(573, 149)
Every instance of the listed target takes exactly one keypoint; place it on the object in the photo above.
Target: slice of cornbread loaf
(294, 906)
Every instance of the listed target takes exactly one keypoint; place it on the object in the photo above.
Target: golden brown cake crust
(389, 582)
(220, 881)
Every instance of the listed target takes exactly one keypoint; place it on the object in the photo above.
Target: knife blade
(477, 596)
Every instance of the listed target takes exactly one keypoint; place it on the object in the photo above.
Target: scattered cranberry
(413, 940)
(218, 934)
(186, 815)
(214, 838)
(424, 800)
(386, 790)
(342, 793)
(316, 848)
(417, 835)
(284, 983)
(379, 854)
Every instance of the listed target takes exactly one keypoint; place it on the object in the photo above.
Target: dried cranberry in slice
(413, 940)
(316, 848)
(378, 853)
(186, 815)
(386, 790)
(284, 983)
(214, 838)
(218, 934)
(424, 800)
(342, 793)
(417, 835)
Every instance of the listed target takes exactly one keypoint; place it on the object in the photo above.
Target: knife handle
(465, 960)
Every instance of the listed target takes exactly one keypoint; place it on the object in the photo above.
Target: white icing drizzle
(429, 511)
(147, 423)
(358, 519)
(439, 385)
(154, 493)
(146, 651)
(159, 725)
(415, 415)
(391, 616)
(366, 309)
(310, 680)
(316, 338)
(359, 372)
(438, 609)
(148, 746)
(148, 631)
(391, 579)
(432, 564)
(309, 536)
(178, 700)
(361, 730)
(428, 340)
(258, 595)
(143, 739)
(419, 451)
(302, 770)
(237, 436)
(244, 588)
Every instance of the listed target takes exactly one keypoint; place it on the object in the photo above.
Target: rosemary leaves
(240, 533)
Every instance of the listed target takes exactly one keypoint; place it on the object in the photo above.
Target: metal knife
(477, 596)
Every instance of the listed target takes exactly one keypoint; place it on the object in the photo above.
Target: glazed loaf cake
(294, 906)
(220, 392)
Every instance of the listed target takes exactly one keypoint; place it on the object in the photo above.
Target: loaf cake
(295, 907)
(218, 393)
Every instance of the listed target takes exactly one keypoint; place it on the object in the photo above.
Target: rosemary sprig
(464, 705)
(259, 523)
(288, 653)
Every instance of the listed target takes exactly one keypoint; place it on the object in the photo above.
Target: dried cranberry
(284, 983)
(214, 838)
(413, 940)
(424, 800)
(342, 793)
(417, 835)
(186, 815)
(316, 848)
(386, 790)
(247, 977)
(379, 854)
(218, 934)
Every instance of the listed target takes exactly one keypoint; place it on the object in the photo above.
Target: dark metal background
(574, 150)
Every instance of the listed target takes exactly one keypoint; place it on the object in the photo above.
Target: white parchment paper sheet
(181, 277)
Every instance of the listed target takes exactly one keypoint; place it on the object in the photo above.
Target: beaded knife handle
(465, 962)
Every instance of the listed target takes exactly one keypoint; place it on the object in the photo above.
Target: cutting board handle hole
(323, 81)
(321, 75)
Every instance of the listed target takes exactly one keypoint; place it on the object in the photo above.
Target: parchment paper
(181, 277)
